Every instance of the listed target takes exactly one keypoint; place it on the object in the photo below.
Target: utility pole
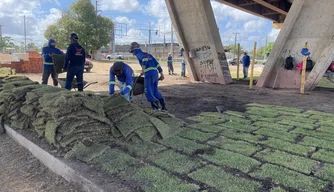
(25, 34)
(1, 49)
(235, 44)
(149, 38)
(265, 49)
(171, 40)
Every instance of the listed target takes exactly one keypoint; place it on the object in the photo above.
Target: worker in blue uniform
(124, 75)
(74, 63)
(150, 69)
(48, 68)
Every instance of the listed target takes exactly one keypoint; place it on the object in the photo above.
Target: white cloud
(220, 10)
(254, 25)
(156, 8)
(272, 36)
(120, 5)
(123, 19)
(132, 35)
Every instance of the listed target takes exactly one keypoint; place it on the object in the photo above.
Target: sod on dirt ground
(266, 151)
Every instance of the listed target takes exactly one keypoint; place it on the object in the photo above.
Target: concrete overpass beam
(307, 21)
(198, 34)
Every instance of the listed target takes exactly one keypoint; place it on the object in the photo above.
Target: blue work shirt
(148, 62)
(48, 61)
(75, 56)
(170, 60)
(246, 60)
(126, 77)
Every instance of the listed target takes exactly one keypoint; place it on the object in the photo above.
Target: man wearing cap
(150, 69)
(245, 63)
(124, 75)
(48, 68)
(74, 63)
(170, 64)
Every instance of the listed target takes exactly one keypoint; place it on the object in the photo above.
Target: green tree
(263, 51)
(93, 30)
(6, 42)
(33, 47)
(236, 49)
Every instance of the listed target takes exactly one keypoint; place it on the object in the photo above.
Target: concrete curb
(58, 166)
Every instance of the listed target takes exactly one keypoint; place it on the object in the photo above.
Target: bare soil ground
(21, 172)
(185, 99)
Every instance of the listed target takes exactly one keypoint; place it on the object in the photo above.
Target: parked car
(115, 56)
(233, 61)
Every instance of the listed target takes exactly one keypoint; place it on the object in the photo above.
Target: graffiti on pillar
(204, 52)
(207, 69)
(224, 66)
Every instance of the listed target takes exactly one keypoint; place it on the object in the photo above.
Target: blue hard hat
(74, 36)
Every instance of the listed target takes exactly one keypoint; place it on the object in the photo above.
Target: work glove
(162, 77)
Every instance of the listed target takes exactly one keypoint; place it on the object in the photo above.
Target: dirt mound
(67, 118)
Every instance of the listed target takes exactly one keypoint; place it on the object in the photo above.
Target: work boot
(155, 105)
(163, 104)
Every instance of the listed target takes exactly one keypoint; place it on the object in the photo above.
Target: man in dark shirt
(245, 63)
(74, 63)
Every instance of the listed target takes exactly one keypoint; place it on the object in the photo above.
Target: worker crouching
(150, 69)
(124, 75)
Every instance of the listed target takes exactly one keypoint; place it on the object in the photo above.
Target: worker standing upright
(124, 75)
(245, 63)
(183, 63)
(48, 65)
(150, 68)
(170, 64)
(74, 63)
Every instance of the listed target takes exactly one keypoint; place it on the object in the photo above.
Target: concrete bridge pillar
(198, 34)
(307, 21)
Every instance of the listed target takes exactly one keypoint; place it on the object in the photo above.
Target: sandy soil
(21, 172)
(185, 98)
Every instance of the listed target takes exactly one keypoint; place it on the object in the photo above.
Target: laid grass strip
(287, 146)
(319, 113)
(175, 162)
(296, 124)
(277, 189)
(271, 125)
(242, 135)
(195, 135)
(327, 173)
(313, 133)
(114, 160)
(289, 178)
(324, 155)
(311, 141)
(216, 177)
(294, 162)
(184, 145)
(302, 120)
(327, 129)
(208, 128)
(153, 179)
(238, 126)
(233, 160)
(206, 120)
(277, 134)
(261, 118)
(233, 145)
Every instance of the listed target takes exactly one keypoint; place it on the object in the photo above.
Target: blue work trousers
(76, 71)
(151, 88)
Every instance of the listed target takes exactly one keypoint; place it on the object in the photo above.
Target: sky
(132, 18)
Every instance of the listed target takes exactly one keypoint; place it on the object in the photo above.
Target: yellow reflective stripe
(48, 63)
(112, 82)
(145, 59)
(129, 86)
(150, 69)
(158, 65)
